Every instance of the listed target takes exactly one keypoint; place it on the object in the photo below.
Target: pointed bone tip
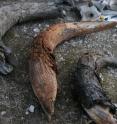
(49, 114)
(48, 109)
(49, 117)
(101, 115)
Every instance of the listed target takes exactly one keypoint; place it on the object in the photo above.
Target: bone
(42, 65)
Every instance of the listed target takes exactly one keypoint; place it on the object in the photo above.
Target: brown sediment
(42, 64)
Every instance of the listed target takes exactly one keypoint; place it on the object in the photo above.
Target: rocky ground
(16, 94)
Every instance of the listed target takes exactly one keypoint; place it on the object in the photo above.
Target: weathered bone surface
(42, 64)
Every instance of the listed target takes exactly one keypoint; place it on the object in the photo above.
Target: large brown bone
(42, 64)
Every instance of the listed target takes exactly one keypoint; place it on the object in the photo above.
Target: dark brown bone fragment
(89, 91)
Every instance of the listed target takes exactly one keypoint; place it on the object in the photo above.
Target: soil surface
(16, 94)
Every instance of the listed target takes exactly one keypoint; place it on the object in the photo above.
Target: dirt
(16, 93)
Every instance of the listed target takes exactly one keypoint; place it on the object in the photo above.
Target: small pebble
(3, 113)
(36, 30)
(47, 26)
(22, 118)
(35, 35)
(64, 12)
(25, 29)
(115, 104)
(39, 25)
(31, 109)
(115, 36)
(26, 112)
(80, 41)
